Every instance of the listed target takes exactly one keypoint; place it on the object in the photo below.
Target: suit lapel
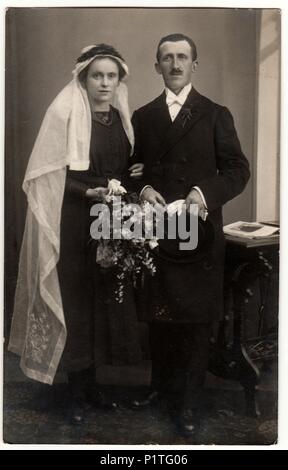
(160, 117)
(192, 110)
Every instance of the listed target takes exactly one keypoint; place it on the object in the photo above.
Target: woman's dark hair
(103, 50)
(175, 38)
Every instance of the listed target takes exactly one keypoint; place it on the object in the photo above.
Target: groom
(190, 151)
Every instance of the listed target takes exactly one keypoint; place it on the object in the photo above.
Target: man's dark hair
(175, 38)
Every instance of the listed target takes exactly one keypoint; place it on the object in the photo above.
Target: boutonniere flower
(187, 114)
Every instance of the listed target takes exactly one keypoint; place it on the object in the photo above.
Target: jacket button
(183, 160)
(181, 180)
(207, 265)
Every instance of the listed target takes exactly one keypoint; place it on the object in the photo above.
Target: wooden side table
(247, 260)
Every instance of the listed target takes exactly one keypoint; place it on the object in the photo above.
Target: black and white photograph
(141, 226)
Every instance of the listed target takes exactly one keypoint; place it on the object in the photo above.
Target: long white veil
(38, 332)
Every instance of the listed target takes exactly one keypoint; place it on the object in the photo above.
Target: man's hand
(96, 194)
(194, 197)
(153, 197)
(136, 170)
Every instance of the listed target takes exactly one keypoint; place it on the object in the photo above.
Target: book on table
(251, 230)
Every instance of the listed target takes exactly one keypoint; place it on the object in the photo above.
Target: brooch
(187, 114)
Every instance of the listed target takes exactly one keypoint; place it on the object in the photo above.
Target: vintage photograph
(142, 225)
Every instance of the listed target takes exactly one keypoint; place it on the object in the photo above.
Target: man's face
(176, 64)
(102, 81)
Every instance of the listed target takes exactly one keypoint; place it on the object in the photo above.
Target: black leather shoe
(150, 400)
(186, 422)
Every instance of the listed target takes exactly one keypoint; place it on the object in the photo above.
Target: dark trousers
(180, 356)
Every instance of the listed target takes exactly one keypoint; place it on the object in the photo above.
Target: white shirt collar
(180, 98)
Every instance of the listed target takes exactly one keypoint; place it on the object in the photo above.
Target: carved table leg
(235, 360)
(248, 371)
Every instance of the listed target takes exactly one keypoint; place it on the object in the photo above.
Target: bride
(65, 313)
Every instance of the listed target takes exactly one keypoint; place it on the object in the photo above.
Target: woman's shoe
(76, 396)
(76, 412)
(99, 400)
(148, 401)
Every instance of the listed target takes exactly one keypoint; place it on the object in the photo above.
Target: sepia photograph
(142, 226)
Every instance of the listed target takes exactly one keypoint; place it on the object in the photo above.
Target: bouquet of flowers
(121, 241)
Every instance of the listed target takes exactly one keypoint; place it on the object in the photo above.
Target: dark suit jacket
(200, 148)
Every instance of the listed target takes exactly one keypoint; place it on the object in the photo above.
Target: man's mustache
(176, 72)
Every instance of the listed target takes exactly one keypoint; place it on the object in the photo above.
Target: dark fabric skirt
(99, 329)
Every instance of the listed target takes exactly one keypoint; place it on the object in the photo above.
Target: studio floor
(37, 414)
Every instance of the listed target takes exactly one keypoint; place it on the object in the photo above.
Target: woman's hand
(96, 194)
(136, 170)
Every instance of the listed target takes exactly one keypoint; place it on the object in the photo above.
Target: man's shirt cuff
(201, 194)
(143, 189)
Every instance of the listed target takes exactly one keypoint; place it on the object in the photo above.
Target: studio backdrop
(42, 45)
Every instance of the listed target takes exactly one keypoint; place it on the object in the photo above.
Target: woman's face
(102, 80)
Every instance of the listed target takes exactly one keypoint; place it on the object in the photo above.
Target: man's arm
(233, 167)
(146, 191)
(137, 155)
